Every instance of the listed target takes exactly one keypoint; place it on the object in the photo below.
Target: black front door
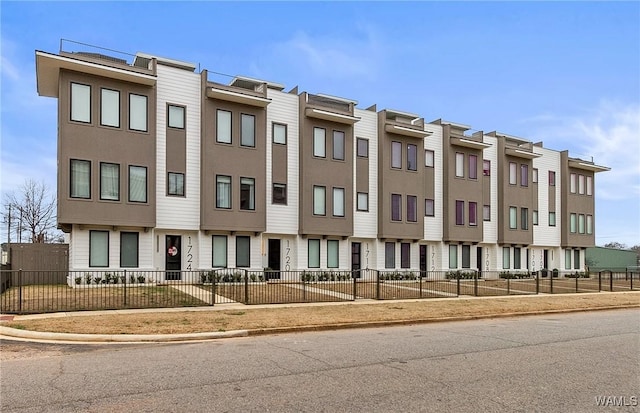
(423, 260)
(273, 259)
(356, 258)
(479, 260)
(173, 261)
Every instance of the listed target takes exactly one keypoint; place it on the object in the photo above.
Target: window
(552, 219)
(429, 208)
(363, 201)
(576, 259)
(581, 184)
(506, 258)
(223, 191)
(137, 183)
(572, 223)
(389, 255)
(396, 155)
(110, 108)
(176, 117)
(362, 149)
(466, 256)
(589, 224)
(128, 249)
(313, 261)
(412, 208)
(138, 112)
(319, 194)
(453, 256)
(319, 144)
(486, 212)
(534, 217)
(396, 204)
(176, 184)
(80, 179)
(98, 248)
(534, 175)
(517, 253)
(338, 145)
(513, 173)
(473, 214)
(589, 185)
(473, 167)
(247, 194)
(581, 224)
(109, 181)
(279, 194)
(524, 175)
(338, 202)
(80, 103)
(412, 157)
(243, 251)
(429, 158)
(223, 126)
(459, 165)
(572, 185)
(567, 259)
(219, 251)
(247, 130)
(524, 218)
(486, 167)
(459, 212)
(279, 133)
(552, 178)
(333, 254)
(405, 255)
(513, 218)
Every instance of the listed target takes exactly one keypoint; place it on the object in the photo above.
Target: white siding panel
(433, 228)
(183, 88)
(365, 224)
(490, 228)
(543, 234)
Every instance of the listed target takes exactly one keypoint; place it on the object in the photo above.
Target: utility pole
(9, 227)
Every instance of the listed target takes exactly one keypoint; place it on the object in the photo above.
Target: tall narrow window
(80, 103)
(552, 178)
(473, 214)
(319, 142)
(524, 175)
(576, 259)
(459, 165)
(338, 145)
(338, 202)
(137, 112)
(279, 133)
(128, 249)
(396, 205)
(109, 181)
(223, 191)
(459, 212)
(247, 130)
(513, 173)
(486, 212)
(80, 179)
(534, 217)
(581, 224)
(243, 251)
(589, 224)
(412, 208)
(248, 194)
(506, 258)
(486, 167)
(524, 218)
(573, 223)
(333, 253)
(175, 115)
(412, 157)
(429, 208)
(581, 184)
(389, 255)
(319, 197)
(466, 256)
(573, 183)
(429, 160)
(279, 195)
(396, 155)
(513, 218)
(567, 259)
(363, 201)
(453, 256)
(219, 251)
(98, 248)
(534, 175)
(473, 167)
(137, 183)
(313, 260)
(405, 255)
(552, 219)
(175, 185)
(517, 255)
(223, 126)
(362, 147)
(589, 185)
(110, 108)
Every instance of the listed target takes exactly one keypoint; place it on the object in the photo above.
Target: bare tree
(32, 209)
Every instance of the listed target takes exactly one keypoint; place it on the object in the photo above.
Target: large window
(589, 224)
(279, 133)
(552, 219)
(552, 178)
(506, 258)
(319, 200)
(219, 251)
(486, 212)
(459, 165)
(110, 108)
(429, 158)
(581, 224)
(128, 249)
(459, 212)
(396, 155)
(389, 255)
(405, 255)
(513, 218)
(338, 145)
(573, 223)
(589, 185)
(247, 130)
(412, 157)
(412, 208)
(109, 181)
(223, 191)
(338, 202)
(473, 214)
(396, 205)
(98, 248)
(581, 184)
(473, 167)
(80, 179)
(429, 208)
(243, 251)
(573, 180)
(80, 103)
(524, 218)
(247, 194)
(333, 253)
(524, 175)
(453, 256)
(223, 126)
(138, 112)
(534, 175)
(567, 259)
(279, 195)
(486, 167)
(517, 255)
(137, 183)
(319, 142)
(466, 256)
(362, 147)
(175, 185)
(363, 201)
(175, 116)
(513, 173)
(576, 259)
(314, 253)
(534, 216)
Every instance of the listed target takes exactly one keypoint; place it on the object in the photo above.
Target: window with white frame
(98, 248)
(405, 255)
(534, 217)
(513, 173)
(319, 142)
(219, 259)
(362, 150)
(80, 103)
(581, 224)
(517, 258)
(313, 259)
(338, 145)
(513, 218)
(459, 165)
(223, 191)
(110, 108)
(573, 183)
(333, 253)
(486, 212)
(223, 126)
(453, 256)
(389, 255)
(243, 251)
(466, 256)
(589, 185)
(589, 224)
(396, 155)
(486, 167)
(576, 259)
(319, 197)
(552, 219)
(534, 175)
(573, 223)
(429, 208)
(338, 202)
(279, 194)
(137, 183)
(524, 218)
(506, 258)
(363, 201)
(567, 259)
(175, 117)
(175, 184)
(247, 194)
(137, 112)
(429, 158)
(247, 130)
(80, 179)
(581, 184)
(279, 132)
(129, 249)
(109, 181)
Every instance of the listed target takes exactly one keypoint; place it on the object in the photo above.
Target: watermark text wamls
(617, 401)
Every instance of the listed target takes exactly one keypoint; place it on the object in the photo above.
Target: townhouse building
(160, 167)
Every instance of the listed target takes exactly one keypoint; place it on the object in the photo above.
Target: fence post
(508, 284)
(20, 291)
(124, 288)
(551, 282)
(577, 276)
(458, 284)
(599, 281)
(353, 275)
(246, 286)
(214, 275)
(475, 283)
(377, 284)
(626, 274)
(610, 280)
(420, 280)
(537, 282)
(631, 280)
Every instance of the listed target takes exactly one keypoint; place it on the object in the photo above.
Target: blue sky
(565, 73)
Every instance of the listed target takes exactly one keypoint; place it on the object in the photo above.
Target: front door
(479, 260)
(356, 259)
(173, 261)
(273, 259)
(423, 260)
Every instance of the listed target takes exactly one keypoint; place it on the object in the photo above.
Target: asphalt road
(557, 363)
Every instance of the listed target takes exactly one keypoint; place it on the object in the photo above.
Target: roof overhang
(331, 116)
(237, 97)
(578, 164)
(468, 143)
(48, 68)
(404, 131)
(519, 153)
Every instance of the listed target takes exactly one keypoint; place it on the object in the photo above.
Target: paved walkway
(201, 294)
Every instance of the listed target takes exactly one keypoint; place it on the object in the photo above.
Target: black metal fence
(54, 291)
